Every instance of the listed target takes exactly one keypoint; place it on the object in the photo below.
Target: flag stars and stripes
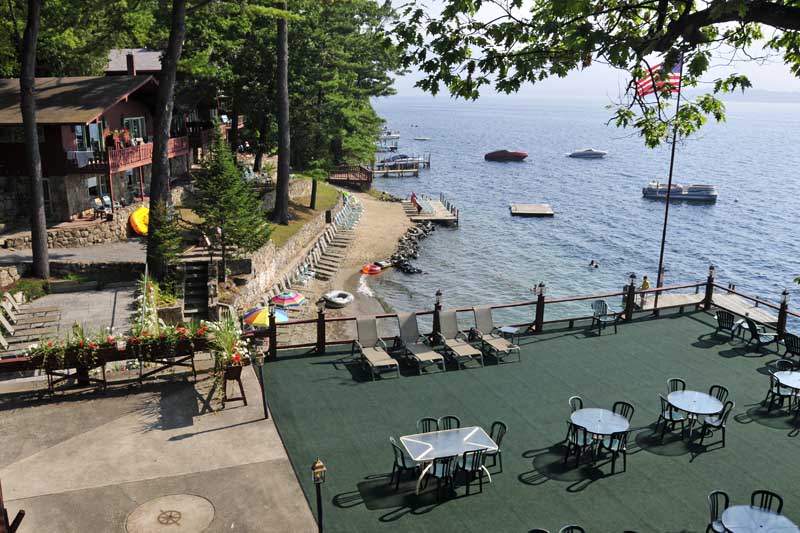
(654, 81)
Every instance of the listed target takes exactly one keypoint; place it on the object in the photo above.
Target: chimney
(131, 67)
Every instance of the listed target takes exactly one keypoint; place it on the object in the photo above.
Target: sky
(601, 82)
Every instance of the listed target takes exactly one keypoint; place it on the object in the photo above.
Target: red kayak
(505, 155)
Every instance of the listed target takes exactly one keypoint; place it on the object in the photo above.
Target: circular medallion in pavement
(178, 512)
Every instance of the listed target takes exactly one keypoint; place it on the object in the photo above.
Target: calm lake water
(749, 234)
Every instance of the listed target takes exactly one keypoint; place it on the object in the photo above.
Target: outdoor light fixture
(271, 308)
(438, 297)
(785, 296)
(540, 289)
(122, 344)
(711, 270)
(318, 470)
(321, 305)
(632, 279)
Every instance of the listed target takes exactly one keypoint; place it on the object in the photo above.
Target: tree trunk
(233, 135)
(280, 214)
(261, 147)
(166, 91)
(313, 203)
(224, 259)
(27, 85)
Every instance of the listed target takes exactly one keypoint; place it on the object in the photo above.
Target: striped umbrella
(259, 317)
(288, 299)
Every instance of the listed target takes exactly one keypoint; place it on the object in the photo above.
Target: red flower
(49, 344)
(200, 331)
(81, 343)
(109, 339)
(161, 336)
(91, 345)
(144, 332)
(236, 358)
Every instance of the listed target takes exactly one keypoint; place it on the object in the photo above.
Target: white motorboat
(389, 135)
(588, 153)
(696, 192)
(422, 138)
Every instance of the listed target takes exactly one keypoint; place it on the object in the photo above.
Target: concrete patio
(91, 462)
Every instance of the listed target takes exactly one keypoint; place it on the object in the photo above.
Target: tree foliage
(473, 44)
(226, 202)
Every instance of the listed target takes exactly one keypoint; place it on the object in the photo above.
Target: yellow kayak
(139, 220)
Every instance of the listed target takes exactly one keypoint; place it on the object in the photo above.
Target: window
(135, 125)
(96, 187)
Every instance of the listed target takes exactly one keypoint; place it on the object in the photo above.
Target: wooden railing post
(437, 308)
(782, 313)
(538, 321)
(320, 327)
(272, 334)
(707, 300)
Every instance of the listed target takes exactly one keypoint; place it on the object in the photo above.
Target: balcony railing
(121, 159)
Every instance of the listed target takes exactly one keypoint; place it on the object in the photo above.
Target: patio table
(789, 379)
(746, 519)
(695, 403)
(599, 421)
(423, 447)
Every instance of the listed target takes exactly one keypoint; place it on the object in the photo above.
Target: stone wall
(268, 264)
(80, 236)
(11, 273)
(297, 189)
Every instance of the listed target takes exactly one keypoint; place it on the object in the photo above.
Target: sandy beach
(375, 238)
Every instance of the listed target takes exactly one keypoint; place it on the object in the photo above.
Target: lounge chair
(456, 343)
(760, 335)
(27, 308)
(372, 348)
(31, 316)
(492, 342)
(414, 345)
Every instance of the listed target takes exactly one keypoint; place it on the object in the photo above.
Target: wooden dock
(531, 210)
(735, 304)
(395, 172)
(439, 211)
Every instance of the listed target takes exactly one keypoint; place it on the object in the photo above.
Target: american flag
(653, 81)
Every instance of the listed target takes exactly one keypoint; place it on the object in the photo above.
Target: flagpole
(660, 275)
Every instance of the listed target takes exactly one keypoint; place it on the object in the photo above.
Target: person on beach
(644, 287)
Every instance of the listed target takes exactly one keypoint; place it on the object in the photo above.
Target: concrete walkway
(85, 462)
(94, 310)
(132, 251)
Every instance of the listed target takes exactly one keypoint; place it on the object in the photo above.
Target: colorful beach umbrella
(288, 299)
(259, 317)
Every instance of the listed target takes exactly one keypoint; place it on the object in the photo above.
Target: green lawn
(326, 409)
(327, 196)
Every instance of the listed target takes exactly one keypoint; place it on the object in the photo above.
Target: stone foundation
(80, 236)
(10, 274)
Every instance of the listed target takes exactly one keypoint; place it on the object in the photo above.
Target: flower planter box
(233, 372)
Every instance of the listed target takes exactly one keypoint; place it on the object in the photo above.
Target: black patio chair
(669, 417)
(427, 424)
(719, 392)
(718, 421)
(617, 444)
(717, 503)
(575, 403)
(623, 408)
(402, 463)
(472, 465)
(496, 433)
(726, 321)
(539, 530)
(778, 393)
(449, 422)
(783, 365)
(792, 344)
(577, 441)
(572, 529)
(760, 335)
(442, 470)
(675, 384)
(603, 316)
(767, 500)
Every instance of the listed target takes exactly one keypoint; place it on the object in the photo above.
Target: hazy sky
(600, 82)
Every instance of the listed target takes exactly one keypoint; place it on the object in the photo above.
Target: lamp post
(782, 313)
(321, 326)
(318, 476)
(437, 308)
(538, 322)
(709, 287)
(272, 332)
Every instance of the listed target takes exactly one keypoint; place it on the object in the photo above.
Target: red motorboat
(505, 155)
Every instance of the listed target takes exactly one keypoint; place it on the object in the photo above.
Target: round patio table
(695, 402)
(789, 379)
(746, 519)
(599, 421)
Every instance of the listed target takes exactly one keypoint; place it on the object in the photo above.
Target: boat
(505, 155)
(588, 153)
(387, 135)
(422, 138)
(696, 192)
(337, 299)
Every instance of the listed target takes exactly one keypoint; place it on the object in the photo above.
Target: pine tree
(165, 238)
(232, 214)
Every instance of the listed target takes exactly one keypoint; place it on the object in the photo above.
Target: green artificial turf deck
(332, 411)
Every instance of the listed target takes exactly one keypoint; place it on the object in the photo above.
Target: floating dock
(439, 211)
(396, 172)
(531, 210)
